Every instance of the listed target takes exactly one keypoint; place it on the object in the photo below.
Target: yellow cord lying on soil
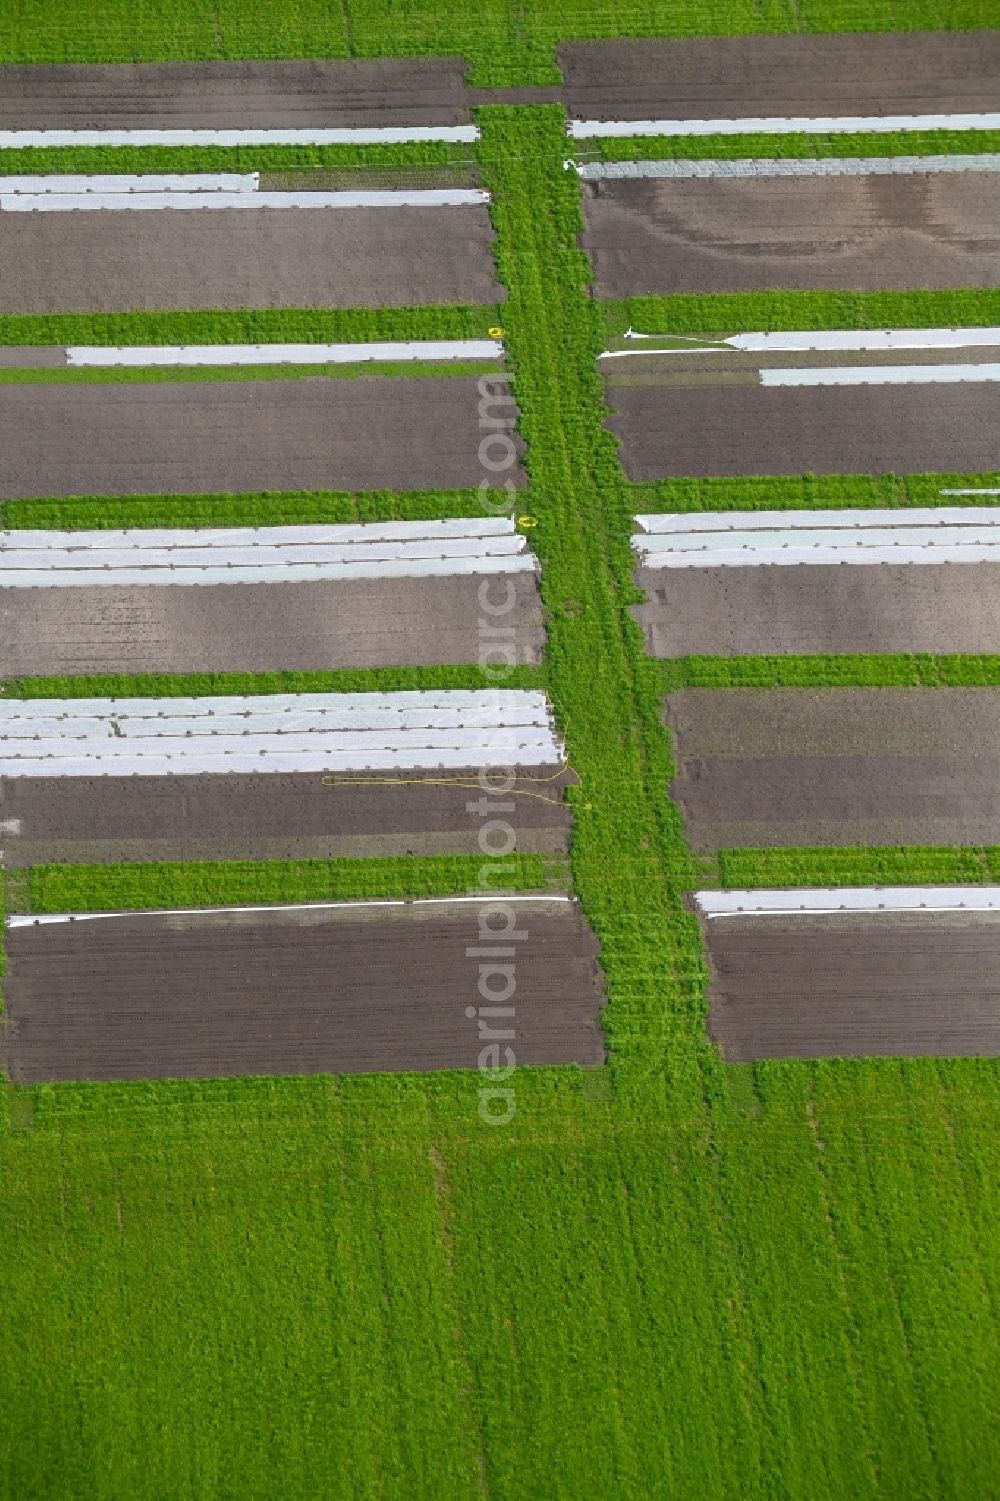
(462, 782)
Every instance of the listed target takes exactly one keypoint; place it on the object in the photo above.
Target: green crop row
(851, 670)
(343, 680)
(505, 44)
(134, 887)
(743, 312)
(408, 156)
(251, 326)
(909, 865)
(812, 491)
(797, 144)
(261, 508)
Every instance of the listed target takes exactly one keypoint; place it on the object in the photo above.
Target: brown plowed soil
(293, 993)
(263, 627)
(731, 612)
(246, 258)
(234, 95)
(670, 431)
(278, 817)
(191, 437)
(929, 72)
(850, 987)
(846, 766)
(725, 234)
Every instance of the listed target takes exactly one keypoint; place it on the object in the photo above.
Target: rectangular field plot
(246, 258)
(749, 77)
(191, 437)
(727, 234)
(854, 985)
(768, 768)
(335, 990)
(712, 426)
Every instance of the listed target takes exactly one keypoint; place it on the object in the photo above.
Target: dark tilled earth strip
(193, 437)
(669, 431)
(723, 77)
(851, 987)
(396, 622)
(861, 233)
(246, 258)
(732, 612)
(771, 768)
(294, 993)
(104, 820)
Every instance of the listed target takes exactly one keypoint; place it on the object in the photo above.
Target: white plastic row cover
(788, 166)
(353, 135)
(224, 537)
(848, 517)
(779, 125)
(240, 736)
(832, 900)
(805, 341)
(51, 919)
(61, 203)
(125, 182)
(882, 375)
(494, 706)
(136, 355)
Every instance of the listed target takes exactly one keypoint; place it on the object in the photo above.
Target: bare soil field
(104, 820)
(395, 622)
(191, 437)
(732, 612)
(851, 987)
(727, 234)
(233, 95)
(295, 992)
(695, 78)
(246, 258)
(672, 431)
(845, 766)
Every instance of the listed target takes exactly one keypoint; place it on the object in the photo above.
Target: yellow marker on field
(527, 522)
(496, 332)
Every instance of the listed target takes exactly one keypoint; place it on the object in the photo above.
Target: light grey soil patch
(395, 622)
(731, 612)
(191, 437)
(745, 430)
(246, 258)
(772, 768)
(929, 72)
(291, 993)
(854, 987)
(274, 817)
(861, 233)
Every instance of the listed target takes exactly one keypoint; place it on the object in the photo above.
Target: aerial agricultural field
(348, 1146)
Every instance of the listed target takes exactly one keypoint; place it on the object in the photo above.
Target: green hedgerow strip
(224, 684)
(800, 145)
(750, 312)
(812, 491)
(259, 508)
(252, 326)
(630, 863)
(903, 865)
(45, 161)
(205, 883)
(889, 670)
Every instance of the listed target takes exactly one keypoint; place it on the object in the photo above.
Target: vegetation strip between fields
(241, 684)
(864, 865)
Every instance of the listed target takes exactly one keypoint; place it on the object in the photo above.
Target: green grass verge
(909, 865)
(750, 312)
(153, 375)
(799, 145)
(811, 491)
(260, 326)
(851, 670)
(260, 508)
(216, 883)
(203, 684)
(411, 155)
(766, 1282)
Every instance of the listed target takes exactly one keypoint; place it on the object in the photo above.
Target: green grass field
(670, 1278)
